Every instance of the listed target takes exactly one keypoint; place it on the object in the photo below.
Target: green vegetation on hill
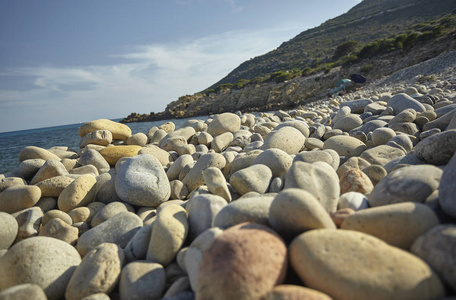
(369, 29)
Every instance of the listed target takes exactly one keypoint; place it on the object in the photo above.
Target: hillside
(374, 38)
(367, 21)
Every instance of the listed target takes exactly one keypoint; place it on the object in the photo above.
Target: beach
(348, 197)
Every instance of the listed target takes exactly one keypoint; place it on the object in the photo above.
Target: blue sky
(71, 61)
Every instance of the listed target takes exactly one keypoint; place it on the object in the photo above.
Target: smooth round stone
(353, 200)
(46, 204)
(319, 179)
(194, 254)
(29, 221)
(114, 153)
(141, 180)
(98, 272)
(107, 190)
(345, 145)
(59, 229)
(23, 292)
(97, 137)
(51, 168)
(294, 211)
(216, 183)
(381, 155)
(189, 149)
(97, 296)
(245, 262)
(314, 156)
(226, 122)
(19, 197)
(109, 211)
(168, 234)
(289, 291)
(163, 156)
(348, 122)
(375, 173)
(44, 261)
(438, 148)
(401, 102)
(8, 230)
(79, 193)
(119, 131)
(142, 280)
(436, 248)
(357, 106)
(355, 180)
(255, 178)
(28, 168)
(277, 160)
(413, 183)
(221, 141)
(172, 142)
(139, 139)
(178, 190)
(313, 143)
(397, 224)
(56, 214)
(93, 157)
(299, 125)
(240, 162)
(205, 138)
(156, 136)
(10, 181)
(405, 127)
(402, 142)
(177, 166)
(371, 126)
(194, 177)
(342, 112)
(136, 248)
(287, 138)
(118, 230)
(374, 108)
(87, 169)
(201, 212)
(382, 271)
(252, 209)
(381, 136)
(447, 188)
(32, 152)
(407, 115)
(69, 164)
(81, 214)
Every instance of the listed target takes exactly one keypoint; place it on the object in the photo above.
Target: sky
(72, 61)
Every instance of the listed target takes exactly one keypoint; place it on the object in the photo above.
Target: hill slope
(367, 21)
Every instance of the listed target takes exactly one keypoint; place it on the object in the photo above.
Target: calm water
(11, 143)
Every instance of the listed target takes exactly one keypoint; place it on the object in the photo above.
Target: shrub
(366, 68)
(345, 49)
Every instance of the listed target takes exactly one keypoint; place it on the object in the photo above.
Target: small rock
(319, 179)
(201, 211)
(353, 200)
(142, 280)
(59, 229)
(16, 198)
(8, 230)
(136, 248)
(216, 183)
(98, 272)
(288, 291)
(287, 139)
(277, 160)
(194, 177)
(79, 193)
(97, 137)
(245, 262)
(255, 178)
(438, 148)
(345, 145)
(51, 168)
(44, 261)
(114, 153)
(23, 292)
(226, 122)
(447, 188)
(52, 187)
(316, 257)
(397, 224)
(294, 211)
(436, 247)
(355, 180)
(381, 155)
(401, 102)
(413, 183)
(32, 152)
(168, 234)
(119, 131)
(93, 157)
(141, 180)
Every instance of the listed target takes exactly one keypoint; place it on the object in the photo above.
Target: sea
(11, 143)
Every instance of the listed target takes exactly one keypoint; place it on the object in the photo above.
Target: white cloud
(149, 77)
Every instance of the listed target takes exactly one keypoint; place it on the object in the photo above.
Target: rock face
(245, 261)
(141, 180)
(382, 272)
(44, 261)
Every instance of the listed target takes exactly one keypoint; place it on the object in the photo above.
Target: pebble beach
(350, 197)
